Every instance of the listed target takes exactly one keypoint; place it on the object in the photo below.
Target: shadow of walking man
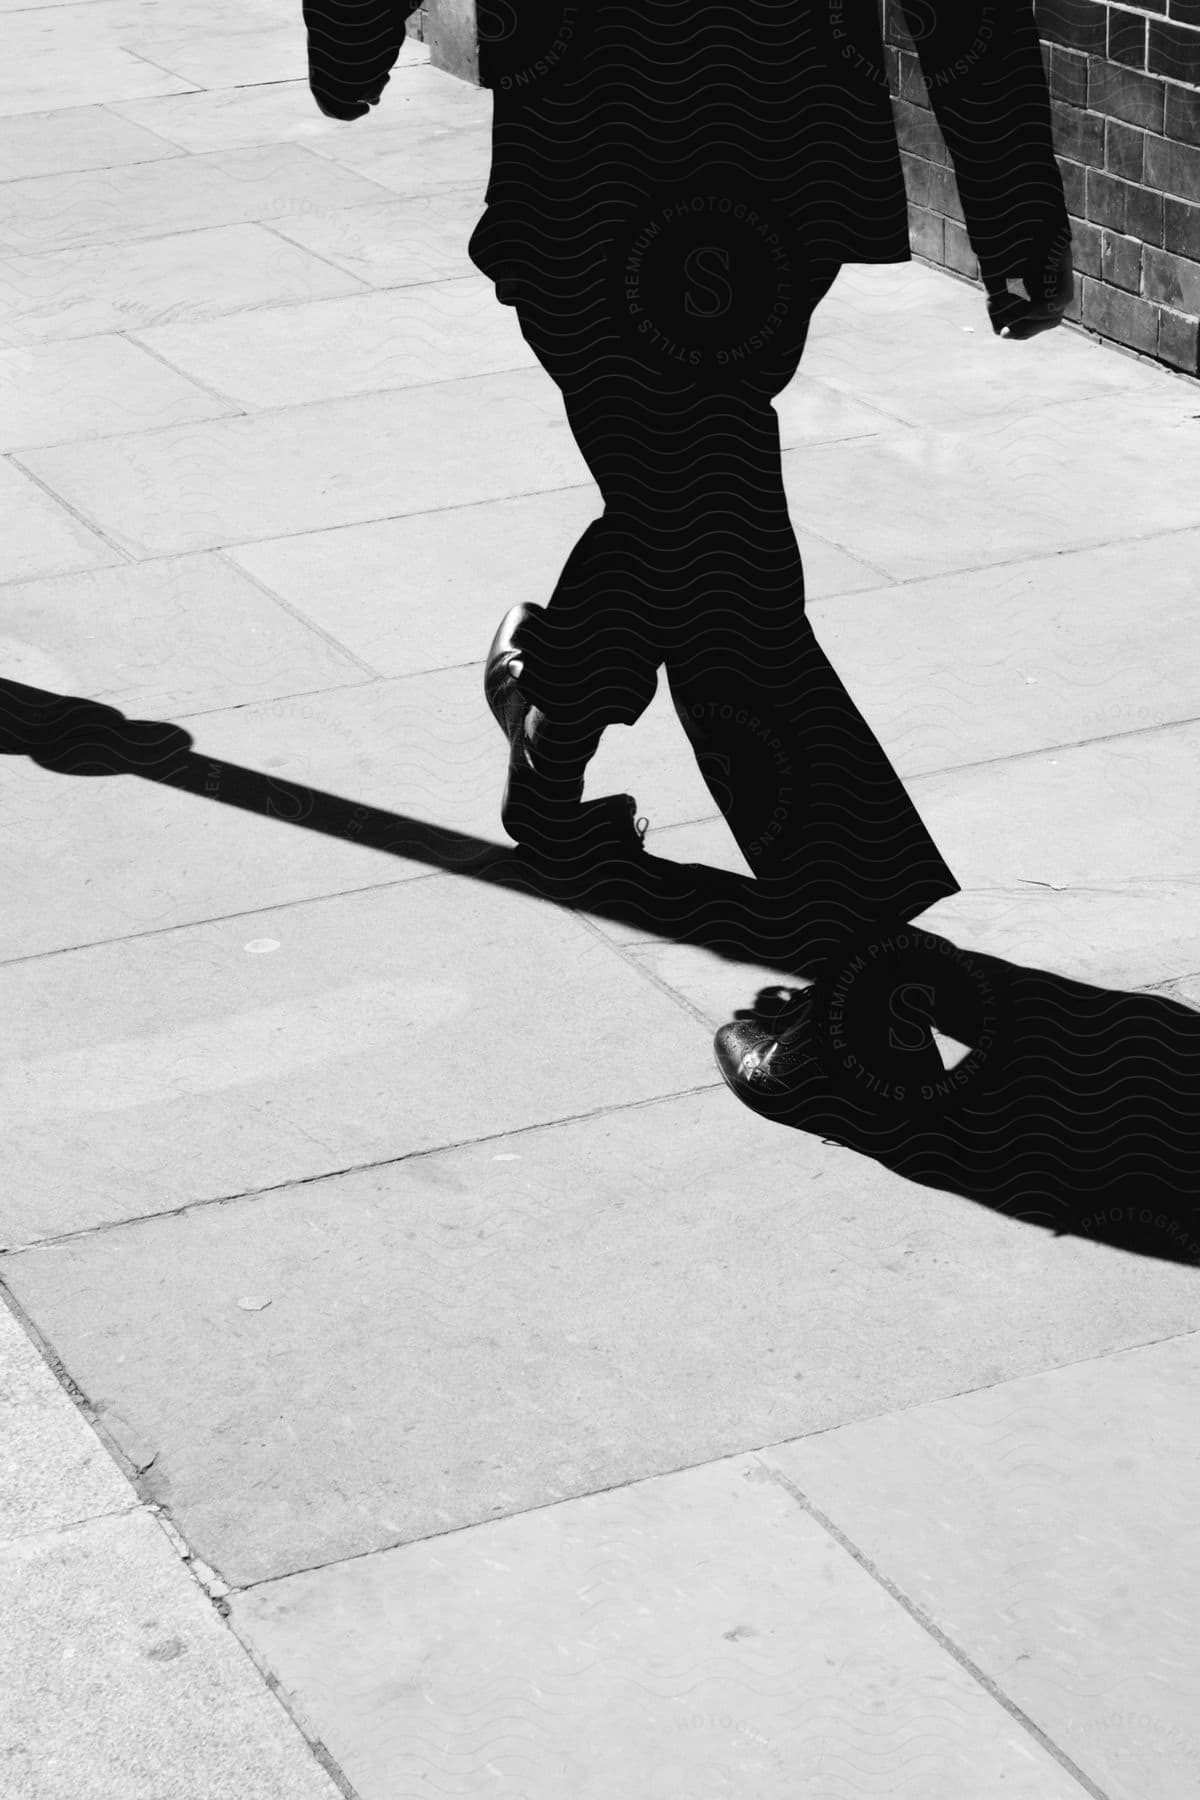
(1079, 1117)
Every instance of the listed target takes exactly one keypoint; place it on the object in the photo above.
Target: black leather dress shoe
(550, 825)
(770, 1065)
(776, 1066)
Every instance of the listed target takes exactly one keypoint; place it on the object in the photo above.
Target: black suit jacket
(596, 105)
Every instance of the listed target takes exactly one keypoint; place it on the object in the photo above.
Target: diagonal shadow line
(71, 735)
(1087, 1122)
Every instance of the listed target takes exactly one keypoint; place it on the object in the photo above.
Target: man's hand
(352, 48)
(1049, 281)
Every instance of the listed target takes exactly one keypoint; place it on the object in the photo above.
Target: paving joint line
(383, 1162)
(752, 1453)
(921, 1618)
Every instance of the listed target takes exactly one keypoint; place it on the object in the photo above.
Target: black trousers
(694, 567)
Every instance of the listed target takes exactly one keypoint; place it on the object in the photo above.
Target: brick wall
(1125, 91)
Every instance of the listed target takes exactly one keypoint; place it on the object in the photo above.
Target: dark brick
(959, 254)
(1182, 114)
(1121, 316)
(943, 191)
(1121, 261)
(1122, 93)
(1079, 24)
(1079, 135)
(895, 26)
(1074, 177)
(1172, 280)
(1172, 168)
(912, 85)
(1181, 228)
(1122, 149)
(1086, 241)
(917, 173)
(1125, 94)
(1126, 38)
(1106, 199)
(919, 132)
(1179, 341)
(1068, 75)
(1144, 214)
(1175, 51)
(927, 233)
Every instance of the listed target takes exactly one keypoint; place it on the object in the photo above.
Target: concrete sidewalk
(419, 1374)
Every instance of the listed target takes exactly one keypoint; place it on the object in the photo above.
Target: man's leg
(804, 785)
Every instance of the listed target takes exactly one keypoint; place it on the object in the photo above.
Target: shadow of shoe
(1081, 1117)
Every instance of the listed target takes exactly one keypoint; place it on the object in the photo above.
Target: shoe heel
(594, 828)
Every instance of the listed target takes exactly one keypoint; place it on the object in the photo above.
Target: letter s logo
(919, 1019)
(721, 292)
(495, 21)
(716, 769)
(921, 19)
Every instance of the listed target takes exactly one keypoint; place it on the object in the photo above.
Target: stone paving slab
(1068, 666)
(160, 640)
(54, 1470)
(335, 462)
(1047, 1527)
(119, 1678)
(73, 138)
(996, 490)
(285, 112)
(695, 1636)
(42, 537)
(415, 161)
(426, 754)
(213, 59)
(94, 288)
(345, 461)
(92, 388)
(435, 331)
(1080, 858)
(60, 57)
(467, 564)
(937, 368)
(344, 1364)
(115, 206)
(142, 1075)
(395, 242)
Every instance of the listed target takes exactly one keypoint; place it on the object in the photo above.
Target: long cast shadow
(1085, 1122)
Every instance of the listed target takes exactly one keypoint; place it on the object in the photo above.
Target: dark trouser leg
(695, 564)
(803, 783)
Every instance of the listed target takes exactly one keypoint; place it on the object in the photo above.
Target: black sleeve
(986, 82)
(352, 48)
